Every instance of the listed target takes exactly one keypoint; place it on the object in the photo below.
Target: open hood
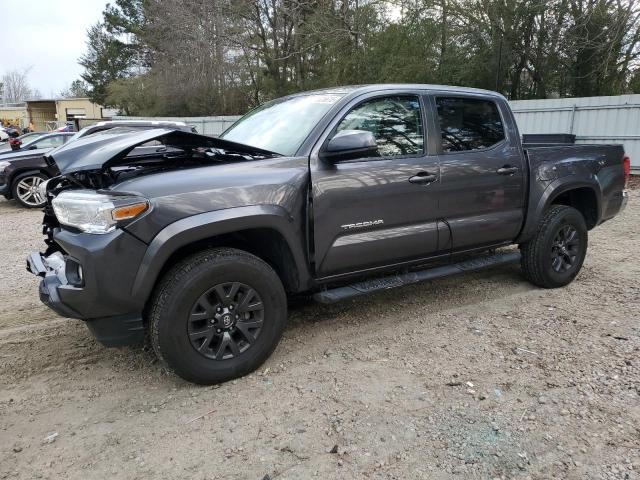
(107, 149)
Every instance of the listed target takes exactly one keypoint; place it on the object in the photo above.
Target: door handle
(423, 178)
(507, 170)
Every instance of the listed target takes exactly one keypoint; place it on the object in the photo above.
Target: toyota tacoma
(332, 194)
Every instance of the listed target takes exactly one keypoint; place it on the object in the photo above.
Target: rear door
(367, 213)
(482, 170)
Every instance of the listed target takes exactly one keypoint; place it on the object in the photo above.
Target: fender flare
(549, 194)
(207, 225)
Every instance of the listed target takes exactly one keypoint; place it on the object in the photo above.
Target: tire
(554, 256)
(206, 324)
(24, 189)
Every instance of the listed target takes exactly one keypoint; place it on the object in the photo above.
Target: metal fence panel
(601, 120)
(206, 125)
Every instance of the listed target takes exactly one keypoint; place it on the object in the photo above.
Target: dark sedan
(12, 143)
(35, 141)
(23, 170)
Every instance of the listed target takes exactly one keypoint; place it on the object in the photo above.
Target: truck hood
(110, 148)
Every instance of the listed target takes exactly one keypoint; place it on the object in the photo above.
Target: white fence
(613, 119)
(205, 125)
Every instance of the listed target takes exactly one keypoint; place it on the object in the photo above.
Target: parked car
(22, 170)
(9, 132)
(13, 133)
(35, 141)
(133, 124)
(20, 174)
(16, 143)
(334, 193)
(67, 127)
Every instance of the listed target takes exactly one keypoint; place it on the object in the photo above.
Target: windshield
(282, 125)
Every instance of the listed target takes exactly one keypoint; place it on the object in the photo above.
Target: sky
(47, 37)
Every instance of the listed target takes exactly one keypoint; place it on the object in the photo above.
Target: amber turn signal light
(129, 211)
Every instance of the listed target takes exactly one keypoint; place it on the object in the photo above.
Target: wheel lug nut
(230, 307)
(218, 330)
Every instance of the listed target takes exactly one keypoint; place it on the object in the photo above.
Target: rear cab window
(468, 123)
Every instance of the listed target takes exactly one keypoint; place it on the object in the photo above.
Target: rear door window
(468, 123)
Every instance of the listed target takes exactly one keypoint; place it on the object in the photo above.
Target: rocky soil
(477, 376)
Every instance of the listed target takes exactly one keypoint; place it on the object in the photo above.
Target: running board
(401, 279)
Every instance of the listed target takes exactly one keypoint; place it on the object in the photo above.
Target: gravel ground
(477, 376)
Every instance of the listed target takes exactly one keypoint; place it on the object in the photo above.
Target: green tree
(115, 48)
(195, 57)
(77, 89)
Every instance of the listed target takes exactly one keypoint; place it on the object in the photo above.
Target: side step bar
(400, 279)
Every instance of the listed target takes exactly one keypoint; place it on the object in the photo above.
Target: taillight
(626, 168)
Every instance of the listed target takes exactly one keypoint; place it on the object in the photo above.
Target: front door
(481, 171)
(377, 211)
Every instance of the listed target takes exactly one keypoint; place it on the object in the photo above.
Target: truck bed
(597, 165)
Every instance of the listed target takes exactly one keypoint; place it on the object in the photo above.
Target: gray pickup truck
(332, 194)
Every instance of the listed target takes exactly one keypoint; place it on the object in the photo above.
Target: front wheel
(554, 256)
(217, 315)
(25, 190)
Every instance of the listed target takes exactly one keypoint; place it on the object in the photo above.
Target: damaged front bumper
(52, 270)
(89, 279)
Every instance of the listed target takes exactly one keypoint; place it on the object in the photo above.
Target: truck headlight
(3, 165)
(93, 212)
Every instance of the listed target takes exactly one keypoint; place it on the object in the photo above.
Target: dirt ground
(477, 376)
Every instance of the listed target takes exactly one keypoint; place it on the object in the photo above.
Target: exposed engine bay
(106, 159)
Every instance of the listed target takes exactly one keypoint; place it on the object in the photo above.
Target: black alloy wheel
(565, 249)
(226, 320)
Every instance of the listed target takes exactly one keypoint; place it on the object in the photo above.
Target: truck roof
(374, 87)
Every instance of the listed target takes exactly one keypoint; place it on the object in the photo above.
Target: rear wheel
(25, 190)
(554, 256)
(217, 315)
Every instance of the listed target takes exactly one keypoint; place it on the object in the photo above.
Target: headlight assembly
(3, 165)
(92, 212)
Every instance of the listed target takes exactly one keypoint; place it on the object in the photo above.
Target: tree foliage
(77, 89)
(160, 57)
(14, 87)
(115, 48)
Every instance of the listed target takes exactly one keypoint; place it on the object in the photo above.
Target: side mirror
(32, 147)
(351, 144)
